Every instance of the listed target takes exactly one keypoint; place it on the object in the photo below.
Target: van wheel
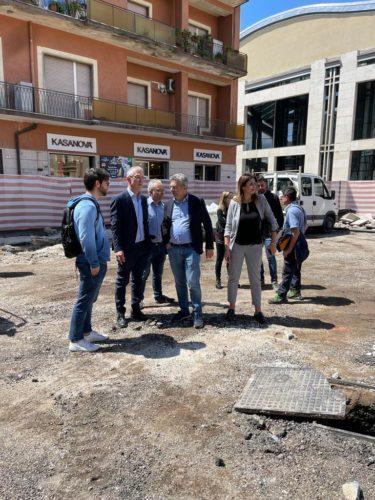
(328, 224)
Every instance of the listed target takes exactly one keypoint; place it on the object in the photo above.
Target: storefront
(208, 165)
(62, 160)
(151, 158)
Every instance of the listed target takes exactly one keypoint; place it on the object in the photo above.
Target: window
(277, 123)
(140, 9)
(70, 165)
(207, 172)
(256, 165)
(365, 112)
(282, 184)
(306, 186)
(73, 81)
(197, 30)
(154, 169)
(138, 95)
(290, 162)
(271, 85)
(199, 113)
(320, 189)
(363, 166)
(67, 76)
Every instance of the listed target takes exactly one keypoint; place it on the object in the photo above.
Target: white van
(313, 195)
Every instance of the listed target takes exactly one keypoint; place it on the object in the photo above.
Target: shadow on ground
(152, 345)
(291, 322)
(10, 322)
(18, 274)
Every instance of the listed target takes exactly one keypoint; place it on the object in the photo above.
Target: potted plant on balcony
(183, 39)
(54, 6)
(205, 45)
(219, 57)
(76, 9)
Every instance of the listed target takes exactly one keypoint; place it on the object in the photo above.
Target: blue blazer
(199, 221)
(124, 223)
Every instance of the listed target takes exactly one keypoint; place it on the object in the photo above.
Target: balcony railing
(129, 22)
(31, 100)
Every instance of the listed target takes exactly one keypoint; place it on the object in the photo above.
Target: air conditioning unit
(170, 86)
(24, 97)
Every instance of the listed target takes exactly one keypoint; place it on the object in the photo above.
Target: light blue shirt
(180, 230)
(155, 219)
(295, 217)
(137, 202)
(91, 232)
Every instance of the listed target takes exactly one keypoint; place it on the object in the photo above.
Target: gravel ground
(150, 415)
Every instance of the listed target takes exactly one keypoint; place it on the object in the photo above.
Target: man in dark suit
(184, 218)
(131, 243)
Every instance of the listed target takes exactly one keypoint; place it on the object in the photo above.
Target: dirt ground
(150, 415)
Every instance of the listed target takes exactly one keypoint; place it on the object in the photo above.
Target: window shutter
(83, 72)
(58, 74)
(193, 107)
(137, 95)
(138, 9)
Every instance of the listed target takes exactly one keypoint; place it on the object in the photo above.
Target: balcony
(125, 22)
(30, 101)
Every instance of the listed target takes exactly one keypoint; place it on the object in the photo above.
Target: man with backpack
(296, 251)
(88, 232)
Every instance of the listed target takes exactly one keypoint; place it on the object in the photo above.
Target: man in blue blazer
(185, 217)
(131, 243)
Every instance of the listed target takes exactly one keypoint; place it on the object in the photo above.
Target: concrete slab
(291, 391)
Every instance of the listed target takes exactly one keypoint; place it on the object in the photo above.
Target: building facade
(119, 83)
(308, 100)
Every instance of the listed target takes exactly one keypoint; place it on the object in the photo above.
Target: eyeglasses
(138, 177)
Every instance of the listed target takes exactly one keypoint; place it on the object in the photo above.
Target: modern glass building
(308, 100)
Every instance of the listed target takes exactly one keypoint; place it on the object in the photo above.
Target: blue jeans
(271, 262)
(156, 259)
(185, 264)
(88, 292)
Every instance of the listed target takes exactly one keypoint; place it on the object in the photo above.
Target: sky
(255, 10)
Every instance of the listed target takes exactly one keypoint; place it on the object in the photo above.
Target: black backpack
(69, 239)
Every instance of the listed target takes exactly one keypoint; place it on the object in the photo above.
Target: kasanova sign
(71, 143)
(151, 151)
(207, 155)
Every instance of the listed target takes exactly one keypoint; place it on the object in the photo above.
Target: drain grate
(291, 391)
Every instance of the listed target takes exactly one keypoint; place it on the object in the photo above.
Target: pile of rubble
(354, 221)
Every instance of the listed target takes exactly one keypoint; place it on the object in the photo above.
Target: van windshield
(282, 183)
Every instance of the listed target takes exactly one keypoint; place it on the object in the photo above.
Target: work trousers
(253, 256)
(291, 275)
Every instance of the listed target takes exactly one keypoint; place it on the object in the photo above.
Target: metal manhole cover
(291, 391)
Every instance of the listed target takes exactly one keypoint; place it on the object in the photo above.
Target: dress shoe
(121, 321)
(163, 299)
(137, 315)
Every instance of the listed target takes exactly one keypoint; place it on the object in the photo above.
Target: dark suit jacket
(124, 223)
(198, 216)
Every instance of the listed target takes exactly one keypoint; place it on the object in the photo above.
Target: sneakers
(259, 317)
(163, 299)
(181, 315)
(198, 322)
(94, 336)
(278, 299)
(229, 316)
(121, 321)
(83, 346)
(294, 294)
(218, 285)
